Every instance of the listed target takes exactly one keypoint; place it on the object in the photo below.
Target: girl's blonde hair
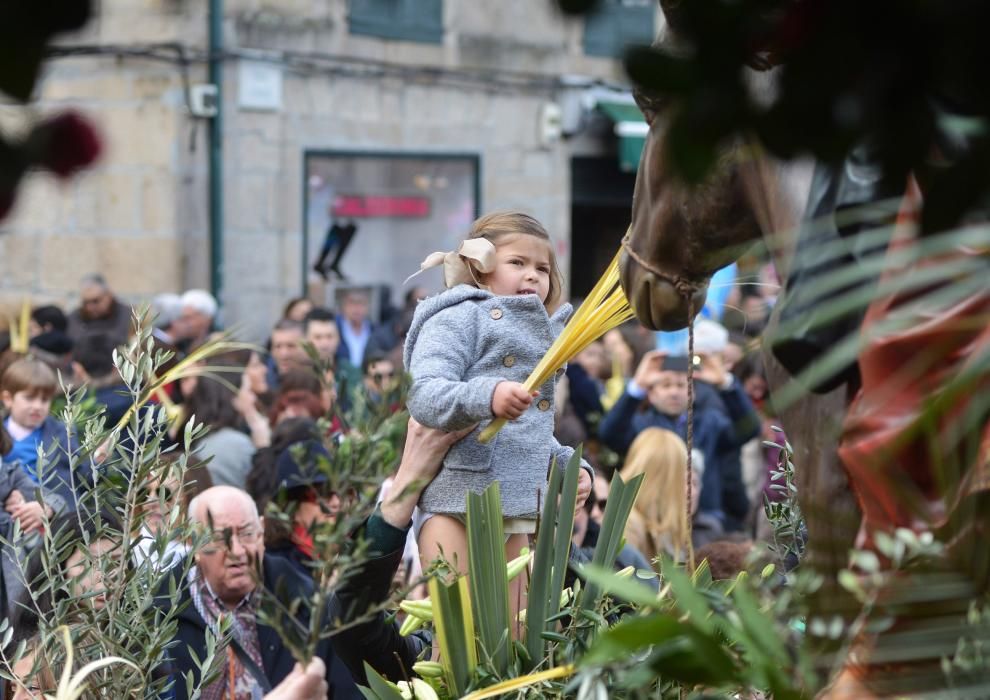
(658, 522)
(506, 223)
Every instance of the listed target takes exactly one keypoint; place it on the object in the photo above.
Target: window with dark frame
(401, 20)
(617, 24)
(370, 218)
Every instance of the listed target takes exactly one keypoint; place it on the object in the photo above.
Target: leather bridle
(685, 287)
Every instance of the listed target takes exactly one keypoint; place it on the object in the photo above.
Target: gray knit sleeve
(563, 454)
(445, 349)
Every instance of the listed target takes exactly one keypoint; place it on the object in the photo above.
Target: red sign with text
(355, 206)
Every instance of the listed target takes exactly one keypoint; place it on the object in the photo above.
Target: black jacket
(277, 660)
(377, 640)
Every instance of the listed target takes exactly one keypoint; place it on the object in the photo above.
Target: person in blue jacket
(26, 390)
(657, 396)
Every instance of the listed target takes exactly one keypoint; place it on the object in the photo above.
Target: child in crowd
(657, 397)
(20, 504)
(26, 390)
(469, 349)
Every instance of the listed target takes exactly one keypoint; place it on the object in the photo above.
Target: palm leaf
(621, 497)
(454, 625)
(487, 576)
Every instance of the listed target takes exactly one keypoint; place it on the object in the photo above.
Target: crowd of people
(625, 399)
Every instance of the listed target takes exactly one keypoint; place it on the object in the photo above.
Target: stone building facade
(348, 79)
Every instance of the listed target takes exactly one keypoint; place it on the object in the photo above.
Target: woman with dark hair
(225, 450)
(262, 480)
(301, 394)
(297, 308)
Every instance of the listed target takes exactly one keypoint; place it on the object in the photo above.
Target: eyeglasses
(381, 376)
(224, 539)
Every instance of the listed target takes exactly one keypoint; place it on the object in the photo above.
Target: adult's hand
(308, 684)
(30, 514)
(648, 372)
(15, 498)
(584, 487)
(421, 460)
(712, 370)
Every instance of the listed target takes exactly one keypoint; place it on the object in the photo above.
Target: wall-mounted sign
(259, 86)
(356, 206)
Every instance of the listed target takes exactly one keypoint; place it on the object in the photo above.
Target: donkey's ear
(674, 14)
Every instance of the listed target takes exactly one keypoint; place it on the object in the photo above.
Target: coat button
(508, 361)
(543, 405)
(496, 314)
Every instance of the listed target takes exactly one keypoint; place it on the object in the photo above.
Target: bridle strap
(684, 287)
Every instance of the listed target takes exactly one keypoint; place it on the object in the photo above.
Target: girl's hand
(29, 514)
(510, 400)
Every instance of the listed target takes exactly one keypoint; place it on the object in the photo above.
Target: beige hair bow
(474, 255)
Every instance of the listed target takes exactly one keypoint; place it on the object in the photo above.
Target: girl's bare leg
(446, 537)
(443, 537)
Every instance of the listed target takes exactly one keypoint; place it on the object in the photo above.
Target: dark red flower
(68, 143)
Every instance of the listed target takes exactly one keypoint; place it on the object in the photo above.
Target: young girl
(469, 349)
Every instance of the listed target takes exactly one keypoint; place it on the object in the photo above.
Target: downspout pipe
(215, 20)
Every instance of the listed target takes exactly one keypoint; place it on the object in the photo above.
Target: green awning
(631, 130)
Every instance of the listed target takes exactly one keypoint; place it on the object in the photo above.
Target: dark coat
(117, 324)
(735, 405)
(117, 401)
(376, 641)
(585, 395)
(59, 468)
(190, 639)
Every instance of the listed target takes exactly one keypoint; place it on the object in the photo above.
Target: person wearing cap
(302, 484)
(657, 397)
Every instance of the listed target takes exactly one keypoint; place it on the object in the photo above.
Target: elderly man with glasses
(222, 585)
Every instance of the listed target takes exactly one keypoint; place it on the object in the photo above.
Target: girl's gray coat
(461, 344)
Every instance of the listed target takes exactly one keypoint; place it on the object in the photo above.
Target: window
(616, 24)
(404, 20)
(371, 218)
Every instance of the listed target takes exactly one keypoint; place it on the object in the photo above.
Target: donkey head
(681, 234)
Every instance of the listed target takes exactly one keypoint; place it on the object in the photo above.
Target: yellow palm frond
(521, 682)
(605, 308)
(187, 367)
(20, 333)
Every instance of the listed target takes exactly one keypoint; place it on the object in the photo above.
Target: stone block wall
(141, 216)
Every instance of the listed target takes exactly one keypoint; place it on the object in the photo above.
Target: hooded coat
(461, 344)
